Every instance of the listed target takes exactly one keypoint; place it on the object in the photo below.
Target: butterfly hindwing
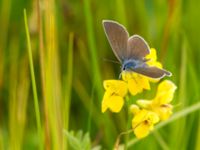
(152, 72)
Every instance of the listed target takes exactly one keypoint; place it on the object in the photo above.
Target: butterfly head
(130, 65)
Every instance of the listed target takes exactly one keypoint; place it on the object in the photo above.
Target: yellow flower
(160, 104)
(143, 121)
(114, 95)
(152, 61)
(165, 92)
(163, 97)
(117, 86)
(136, 82)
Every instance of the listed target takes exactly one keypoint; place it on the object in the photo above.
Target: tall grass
(93, 48)
(52, 76)
(34, 87)
(68, 87)
(5, 19)
(51, 71)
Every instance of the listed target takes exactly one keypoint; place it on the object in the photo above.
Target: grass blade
(93, 49)
(68, 87)
(35, 96)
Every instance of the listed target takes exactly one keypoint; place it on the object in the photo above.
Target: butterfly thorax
(131, 64)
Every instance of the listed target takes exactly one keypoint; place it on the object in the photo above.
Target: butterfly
(131, 51)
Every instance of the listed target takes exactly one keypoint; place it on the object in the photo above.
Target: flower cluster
(146, 112)
(149, 112)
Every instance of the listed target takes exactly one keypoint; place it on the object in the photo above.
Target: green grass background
(52, 67)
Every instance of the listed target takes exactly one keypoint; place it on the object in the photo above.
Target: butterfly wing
(152, 72)
(137, 47)
(117, 36)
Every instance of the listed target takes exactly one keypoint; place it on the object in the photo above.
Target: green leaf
(86, 142)
(74, 143)
(78, 140)
(79, 135)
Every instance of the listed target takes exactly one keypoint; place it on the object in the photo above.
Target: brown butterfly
(131, 51)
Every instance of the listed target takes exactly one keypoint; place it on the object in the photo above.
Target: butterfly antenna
(109, 60)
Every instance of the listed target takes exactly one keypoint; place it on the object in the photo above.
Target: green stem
(68, 87)
(35, 96)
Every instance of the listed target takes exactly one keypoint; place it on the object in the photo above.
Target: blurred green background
(69, 49)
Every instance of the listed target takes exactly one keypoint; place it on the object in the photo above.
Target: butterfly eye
(123, 68)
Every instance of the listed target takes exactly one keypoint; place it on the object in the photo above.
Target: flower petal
(139, 117)
(144, 103)
(164, 111)
(126, 75)
(134, 109)
(143, 122)
(152, 55)
(152, 117)
(116, 86)
(142, 130)
(104, 104)
(144, 82)
(133, 87)
(115, 103)
(165, 92)
(152, 61)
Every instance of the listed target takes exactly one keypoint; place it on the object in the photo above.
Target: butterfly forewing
(152, 72)
(117, 37)
(137, 47)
